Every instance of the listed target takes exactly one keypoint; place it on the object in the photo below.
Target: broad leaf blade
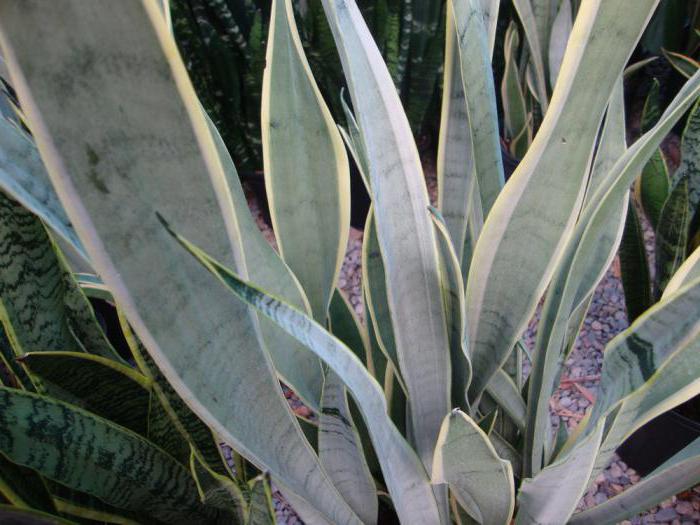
(92, 455)
(306, 168)
(463, 450)
(104, 173)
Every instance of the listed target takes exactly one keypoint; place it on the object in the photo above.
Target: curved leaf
(123, 136)
(405, 476)
(501, 296)
(404, 229)
(480, 480)
(92, 455)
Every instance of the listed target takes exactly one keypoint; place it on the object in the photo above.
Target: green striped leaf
(92, 455)
(42, 306)
(654, 186)
(505, 392)
(490, 10)
(306, 168)
(404, 474)
(113, 391)
(501, 297)
(679, 473)
(404, 228)
(345, 325)
(217, 491)
(480, 94)
(192, 328)
(636, 280)
(462, 451)
(690, 159)
(672, 233)
(23, 487)
(24, 177)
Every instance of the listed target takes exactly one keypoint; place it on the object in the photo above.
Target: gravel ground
(576, 393)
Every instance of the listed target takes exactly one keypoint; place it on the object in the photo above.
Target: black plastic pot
(658, 440)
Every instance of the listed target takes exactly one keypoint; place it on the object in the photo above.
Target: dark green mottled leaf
(92, 455)
(636, 280)
(672, 234)
(23, 487)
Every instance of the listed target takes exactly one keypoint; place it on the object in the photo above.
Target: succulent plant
(424, 409)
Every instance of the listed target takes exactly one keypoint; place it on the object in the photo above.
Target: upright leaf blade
(404, 228)
(480, 94)
(306, 168)
(500, 296)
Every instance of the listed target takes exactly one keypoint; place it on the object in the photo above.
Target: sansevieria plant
(423, 411)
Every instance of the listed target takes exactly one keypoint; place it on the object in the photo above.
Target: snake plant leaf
(261, 510)
(375, 290)
(108, 461)
(345, 325)
(307, 181)
(537, 42)
(687, 272)
(80, 506)
(178, 312)
(217, 491)
(690, 159)
(515, 113)
(404, 474)
(404, 229)
(490, 9)
(463, 450)
(24, 487)
(636, 280)
(353, 140)
(558, 39)
(14, 375)
(505, 392)
(341, 454)
(654, 187)
(672, 233)
(552, 495)
(684, 64)
(24, 177)
(17, 516)
(452, 291)
(455, 157)
(186, 422)
(108, 389)
(42, 306)
(587, 254)
(501, 297)
(480, 94)
(93, 287)
(641, 352)
(297, 367)
(679, 473)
